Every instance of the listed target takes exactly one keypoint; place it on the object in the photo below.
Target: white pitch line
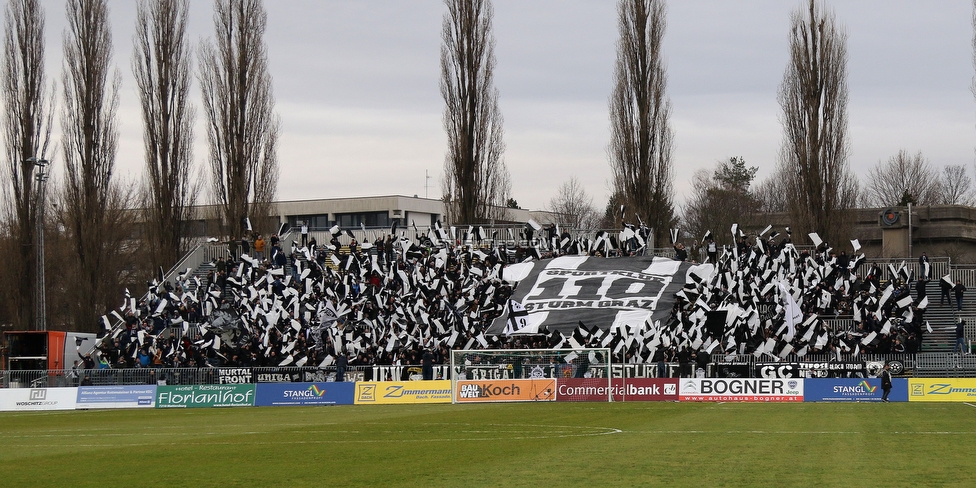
(970, 404)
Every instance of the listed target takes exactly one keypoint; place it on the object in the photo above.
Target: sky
(356, 85)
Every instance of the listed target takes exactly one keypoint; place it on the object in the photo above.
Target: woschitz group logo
(37, 398)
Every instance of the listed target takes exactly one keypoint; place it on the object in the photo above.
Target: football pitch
(523, 444)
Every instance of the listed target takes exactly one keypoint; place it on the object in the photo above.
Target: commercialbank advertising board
(201, 396)
(522, 390)
(740, 390)
(942, 389)
(624, 390)
(402, 392)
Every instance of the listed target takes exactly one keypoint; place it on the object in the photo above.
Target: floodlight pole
(40, 295)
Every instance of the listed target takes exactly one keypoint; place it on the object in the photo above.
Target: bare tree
(27, 116)
(238, 102)
(92, 205)
(813, 96)
(771, 193)
(902, 178)
(955, 186)
(721, 198)
(476, 182)
(161, 65)
(573, 207)
(641, 136)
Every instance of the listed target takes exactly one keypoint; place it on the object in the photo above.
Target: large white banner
(13, 399)
(740, 390)
(560, 293)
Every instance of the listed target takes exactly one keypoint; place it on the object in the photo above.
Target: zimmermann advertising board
(389, 392)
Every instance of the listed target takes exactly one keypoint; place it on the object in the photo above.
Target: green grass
(529, 444)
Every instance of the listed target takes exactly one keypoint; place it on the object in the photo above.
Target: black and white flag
(517, 318)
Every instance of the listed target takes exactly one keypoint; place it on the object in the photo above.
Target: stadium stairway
(943, 318)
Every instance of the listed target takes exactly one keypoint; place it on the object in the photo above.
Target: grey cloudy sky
(357, 88)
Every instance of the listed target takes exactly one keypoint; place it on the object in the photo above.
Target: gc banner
(559, 294)
(197, 396)
(942, 389)
(297, 394)
(535, 390)
(740, 390)
(135, 396)
(390, 392)
(852, 390)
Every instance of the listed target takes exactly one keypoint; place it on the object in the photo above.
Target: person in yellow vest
(259, 248)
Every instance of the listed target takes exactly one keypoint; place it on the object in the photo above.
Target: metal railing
(922, 364)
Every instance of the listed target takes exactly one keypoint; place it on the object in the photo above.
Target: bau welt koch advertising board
(533, 390)
(740, 390)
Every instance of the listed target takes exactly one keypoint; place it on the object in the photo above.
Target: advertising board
(400, 392)
(942, 389)
(852, 390)
(520, 390)
(624, 390)
(202, 396)
(740, 390)
(13, 399)
(121, 396)
(298, 394)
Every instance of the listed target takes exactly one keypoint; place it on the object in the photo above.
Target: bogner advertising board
(521, 390)
(198, 396)
(135, 396)
(400, 392)
(942, 389)
(852, 390)
(37, 398)
(740, 390)
(624, 390)
(297, 394)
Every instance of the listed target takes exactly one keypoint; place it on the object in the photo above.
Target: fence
(923, 365)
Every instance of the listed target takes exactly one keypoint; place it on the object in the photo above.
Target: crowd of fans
(395, 300)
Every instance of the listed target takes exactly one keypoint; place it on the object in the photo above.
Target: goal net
(499, 375)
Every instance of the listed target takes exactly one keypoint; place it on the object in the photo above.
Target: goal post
(510, 375)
